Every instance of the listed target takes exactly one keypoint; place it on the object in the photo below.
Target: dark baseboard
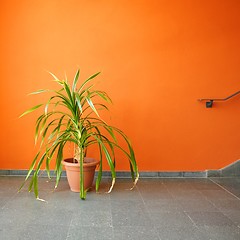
(232, 170)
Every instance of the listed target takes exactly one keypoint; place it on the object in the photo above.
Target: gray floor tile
(121, 184)
(128, 205)
(124, 194)
(93, 233)
(187, 195)
(135, 233)
(231, 184)
(155, 196)
(217, 194)
(179, 186)
(4, 201)
(155, 209)
(227, 204)
(15, 216)
(204, 184)
(233, 215)
(173, 219)
(11, 231)
(93, 218)
(8, 192)
(150, 184)
(130, 218)
(200, 205)
(24, 200)
(44, 232)
(55, 216)
(163, 205)
(93, 205)
(210, 219)
(181, 233)
(222, 232)
(173, 181)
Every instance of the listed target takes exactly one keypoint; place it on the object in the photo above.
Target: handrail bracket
(209, 102)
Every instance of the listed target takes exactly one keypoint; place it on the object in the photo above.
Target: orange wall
(157, 58)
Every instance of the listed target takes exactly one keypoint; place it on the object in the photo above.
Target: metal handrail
(209, 101)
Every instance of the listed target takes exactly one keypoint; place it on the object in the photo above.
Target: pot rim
(92, 162)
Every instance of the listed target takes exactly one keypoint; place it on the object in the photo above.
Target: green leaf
(46, 130)
(132, 155)
(47, 105)
(38, 122)
(32, 166)
(93, 76)
(48, 160)
(110, 131)
(39, 91)
(30, 185)
(92, 106)
(31, 110)
(79, 102)
(35, 184)
(55, 78)
(56, 130)
(68, 91)
(108, 156)
(104, 96)
(58, 168)
(87, 80)
(75, 80)
(99, 176)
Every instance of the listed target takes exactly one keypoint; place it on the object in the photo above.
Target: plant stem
(82, 192)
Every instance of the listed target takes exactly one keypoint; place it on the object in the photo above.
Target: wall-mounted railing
(209, 101)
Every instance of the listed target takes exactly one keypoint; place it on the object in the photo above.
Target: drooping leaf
(92, 106)
(35, 184)
(58, 168)
(30, 170)
(104, 96)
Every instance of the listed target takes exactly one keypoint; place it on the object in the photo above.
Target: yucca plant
(71, 115)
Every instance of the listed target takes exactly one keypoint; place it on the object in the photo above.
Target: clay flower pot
(73, 172)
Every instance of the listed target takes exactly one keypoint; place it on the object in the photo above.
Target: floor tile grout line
(9, 200)
(224, 189)
(144, 203)
(237, 225)
(194, 224)
(69, 229)
(185, 212)
(112, 227)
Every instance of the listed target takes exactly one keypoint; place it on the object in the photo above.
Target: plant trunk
(82, 191)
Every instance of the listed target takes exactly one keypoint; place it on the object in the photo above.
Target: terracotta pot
(73, 172)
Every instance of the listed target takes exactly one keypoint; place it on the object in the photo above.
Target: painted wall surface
(156, 57)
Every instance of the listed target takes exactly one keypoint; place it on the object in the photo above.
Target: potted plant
(71, 115)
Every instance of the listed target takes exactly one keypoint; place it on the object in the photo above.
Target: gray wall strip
(232, 170)
(120, 174)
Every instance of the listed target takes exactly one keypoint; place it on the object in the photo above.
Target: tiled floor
(155, 209)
